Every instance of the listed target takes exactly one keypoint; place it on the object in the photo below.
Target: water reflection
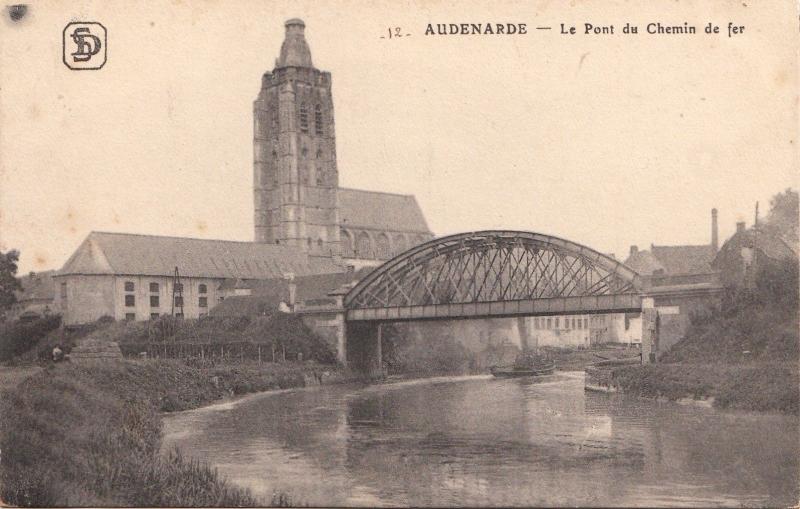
(481, 441)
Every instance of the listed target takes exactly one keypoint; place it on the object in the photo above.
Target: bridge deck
(622, 303)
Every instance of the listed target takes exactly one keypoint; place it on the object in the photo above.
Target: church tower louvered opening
(295, 178)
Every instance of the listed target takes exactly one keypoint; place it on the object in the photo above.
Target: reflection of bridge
(487, 274)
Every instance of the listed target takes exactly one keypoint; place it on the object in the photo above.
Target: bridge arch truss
(494, 273)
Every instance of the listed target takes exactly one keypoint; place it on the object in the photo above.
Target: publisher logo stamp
(85, 45)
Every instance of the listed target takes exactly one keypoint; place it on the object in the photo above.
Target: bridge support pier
(364, 348)
(649, 331)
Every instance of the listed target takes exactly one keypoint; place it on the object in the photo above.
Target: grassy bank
(91, 436)
(771, 387)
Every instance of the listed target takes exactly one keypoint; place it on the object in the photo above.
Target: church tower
(295, 179)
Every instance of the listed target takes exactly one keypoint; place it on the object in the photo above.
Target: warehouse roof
(132, 254)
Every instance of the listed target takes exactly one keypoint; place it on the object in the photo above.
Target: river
(482, 441)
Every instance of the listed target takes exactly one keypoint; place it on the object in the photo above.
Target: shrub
(17, 337)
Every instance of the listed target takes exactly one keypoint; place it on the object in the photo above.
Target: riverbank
(76, 435)
(761, 387)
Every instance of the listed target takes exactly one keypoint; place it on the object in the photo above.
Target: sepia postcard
(408, 253)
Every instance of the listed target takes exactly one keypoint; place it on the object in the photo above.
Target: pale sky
(604, 140)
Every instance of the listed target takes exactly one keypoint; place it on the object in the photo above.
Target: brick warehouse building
(305, 224)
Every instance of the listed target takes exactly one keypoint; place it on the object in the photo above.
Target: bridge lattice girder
(492, 266)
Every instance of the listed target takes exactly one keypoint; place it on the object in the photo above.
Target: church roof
(132, 254)
(380, 211)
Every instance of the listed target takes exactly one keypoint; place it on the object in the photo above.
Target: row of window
(555, 323)
(382, 249)
(130, 286)
(130, 301)
(318, 128)
(154, 316)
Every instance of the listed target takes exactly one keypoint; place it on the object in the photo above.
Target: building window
(383, 251)
(154, 316)
(347, 244)
(549, 323)
(573, 324)
(130, 301)
(63, 290)
(130, 317)
(129, 286)
(557, 321)
(202, 289)
(318, 120)
(303, 118)
(179, 301)
(178, 287)
(154, 301)
(363, 246)
(585, 323)
(203, 302)
(154, 287)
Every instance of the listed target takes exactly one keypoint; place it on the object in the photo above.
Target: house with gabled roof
(677, 265)
(35, 299)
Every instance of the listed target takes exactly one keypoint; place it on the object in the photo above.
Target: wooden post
(379, 353)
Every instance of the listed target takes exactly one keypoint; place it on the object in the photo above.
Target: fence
(238, 351)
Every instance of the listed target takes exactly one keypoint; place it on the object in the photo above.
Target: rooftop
(672, 260)
(125, 253)
(380, 211)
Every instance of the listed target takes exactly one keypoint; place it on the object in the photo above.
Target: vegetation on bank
(281, 335)
(745, 353)
(90, 436)
(757, 387)
(17, 338)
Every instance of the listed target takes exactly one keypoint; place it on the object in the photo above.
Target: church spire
(294, 50)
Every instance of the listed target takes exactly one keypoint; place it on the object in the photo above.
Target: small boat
(525, 365)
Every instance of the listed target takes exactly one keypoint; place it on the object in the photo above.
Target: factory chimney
(714, 232)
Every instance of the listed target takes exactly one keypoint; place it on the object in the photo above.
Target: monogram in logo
(84, 45)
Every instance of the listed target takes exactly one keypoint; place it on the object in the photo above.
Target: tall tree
(8, 278)
(784, 216)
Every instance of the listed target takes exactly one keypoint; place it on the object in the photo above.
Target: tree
(8, 278)
(784, 216)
